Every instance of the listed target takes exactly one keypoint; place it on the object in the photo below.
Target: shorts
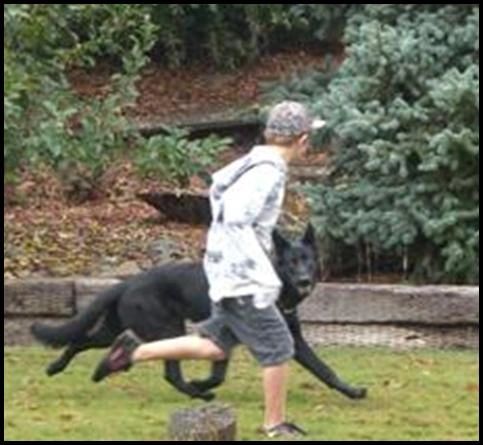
(264, 331)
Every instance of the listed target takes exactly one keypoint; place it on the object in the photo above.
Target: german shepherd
(156, 303)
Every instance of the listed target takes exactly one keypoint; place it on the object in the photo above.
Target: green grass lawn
(417, 395)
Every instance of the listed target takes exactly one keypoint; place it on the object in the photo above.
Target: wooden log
(206, 127)
(367, 303)
(186, 207)
(16, 330)
(39, 297)
(213, 422)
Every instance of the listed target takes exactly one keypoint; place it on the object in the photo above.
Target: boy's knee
(218, 354)
(212, 350)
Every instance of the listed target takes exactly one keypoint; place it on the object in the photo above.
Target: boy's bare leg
(274, 386)
(128, 349)
(186, 347)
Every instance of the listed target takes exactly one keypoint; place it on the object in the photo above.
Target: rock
(105, 266)
(164, 250)
(112, 267)
(8, 276)
(213, 422)
(126, 270)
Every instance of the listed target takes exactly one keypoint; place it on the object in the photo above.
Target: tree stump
(213, 422)
(187, 207)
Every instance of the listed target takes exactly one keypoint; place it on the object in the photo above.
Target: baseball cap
(289, 118)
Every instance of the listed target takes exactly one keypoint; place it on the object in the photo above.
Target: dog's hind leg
(217, 377)
(173, 374)
(102, 337)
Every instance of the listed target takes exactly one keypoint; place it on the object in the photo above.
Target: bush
(224, 36)
(45, 121)
(404, 135)
(174, 157)
(403, 113)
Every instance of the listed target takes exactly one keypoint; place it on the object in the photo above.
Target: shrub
(174, 157)
(403, 129)
(403, 112)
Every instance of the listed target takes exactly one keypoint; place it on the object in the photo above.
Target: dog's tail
(58, 336)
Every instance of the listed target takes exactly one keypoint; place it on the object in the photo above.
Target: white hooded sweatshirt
(246, 199)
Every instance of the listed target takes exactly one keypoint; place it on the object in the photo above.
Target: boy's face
(303, 145)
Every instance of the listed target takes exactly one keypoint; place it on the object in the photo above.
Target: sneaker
(119, 357)
(284, 429)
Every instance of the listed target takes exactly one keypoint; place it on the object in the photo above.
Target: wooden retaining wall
(348, 314)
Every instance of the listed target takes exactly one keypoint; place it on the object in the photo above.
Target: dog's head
(297, 264)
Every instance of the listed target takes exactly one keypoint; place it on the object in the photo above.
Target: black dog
(155, 304)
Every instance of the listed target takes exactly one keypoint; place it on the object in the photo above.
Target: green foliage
(301, 88)
(316, 23)
(174, 157)
(229, 35)
(403, 120)
(225, 35)
(44, 120)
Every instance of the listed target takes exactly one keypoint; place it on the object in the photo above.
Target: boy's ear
(279, 241)
(304, 138)
(309, 236)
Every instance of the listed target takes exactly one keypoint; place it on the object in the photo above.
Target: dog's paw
(200, 385)
(206, 396)
(357, 393)
(54, 368)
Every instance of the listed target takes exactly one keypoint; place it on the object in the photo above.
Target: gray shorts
(263, 331)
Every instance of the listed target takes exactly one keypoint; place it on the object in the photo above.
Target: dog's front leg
(217, 377)
(173, 374)
(309, 360)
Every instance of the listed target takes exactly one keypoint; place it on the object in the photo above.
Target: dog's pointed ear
(309, 235)
(279, 241)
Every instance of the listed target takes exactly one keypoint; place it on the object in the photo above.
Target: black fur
(155, 304)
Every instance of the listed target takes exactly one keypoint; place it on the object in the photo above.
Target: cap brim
(317, 124)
